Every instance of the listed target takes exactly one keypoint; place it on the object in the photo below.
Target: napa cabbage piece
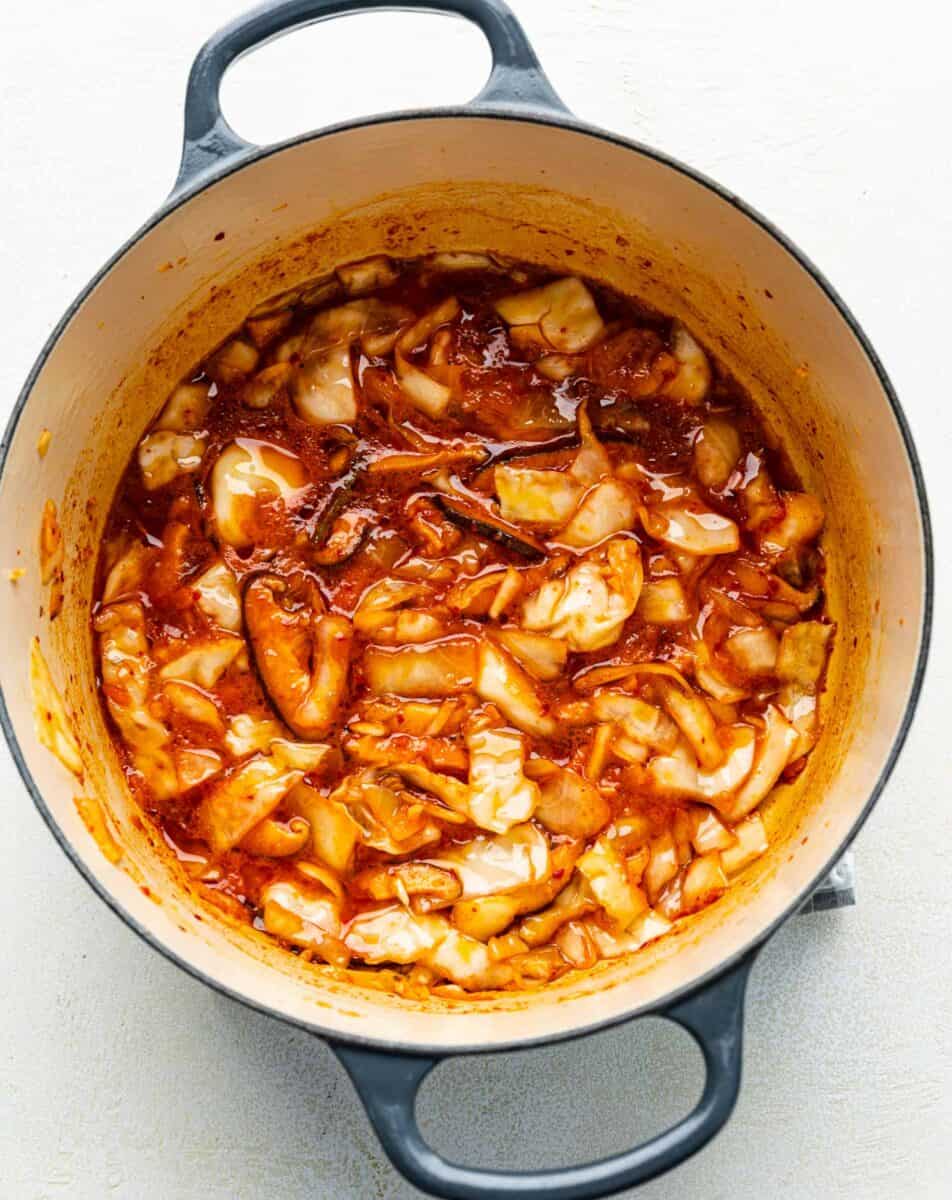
(484, 917)
(750, 843)
(802, 520)
(247, 733)
(127, 667)
(186, 409)
(708, 832)
(564, 312)
(388, 820)
(570, 805)
(716, 451)
(487, 866)
(342, 325)
(753, 651)
(204, 662)
(217, 595)
(367, 275)
(130, 563)
(605, 872)
(165, 454)
(246, 473)
(500, 794)
(694, 718)
(501, 681)
(235, 804)
(608, 508)
(800, 706)
(497, 796)
(573, 900)
(302, 652)
(322, 387)
(692, 530)
(307, 915)
(542, 656)
(679, 775)
(334, 832)
(442, 668)
(644, 929)
(663, 602)
(549, 498)
(589, 604)
(232, 362)
(382, 613)
(529, 496)
(692, 379)
(460, 260)
(193, 704)
(397, 935)
(774, 749)
(423, 391)
(802, 654)
(639, 720)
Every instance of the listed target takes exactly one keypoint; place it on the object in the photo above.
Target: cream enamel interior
(567, 199)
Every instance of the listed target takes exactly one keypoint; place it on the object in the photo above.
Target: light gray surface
(122, 1078)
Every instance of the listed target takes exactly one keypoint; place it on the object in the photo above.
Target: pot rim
(528, 116)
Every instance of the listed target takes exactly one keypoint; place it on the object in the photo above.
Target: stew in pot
(456, 620)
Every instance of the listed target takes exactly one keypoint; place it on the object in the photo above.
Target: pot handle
(516, 81)
(388, 1085)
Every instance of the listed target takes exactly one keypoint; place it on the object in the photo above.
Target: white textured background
(120, 1077)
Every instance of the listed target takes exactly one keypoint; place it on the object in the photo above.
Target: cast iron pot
(515, 172)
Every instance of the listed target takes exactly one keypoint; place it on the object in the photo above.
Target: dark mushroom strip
(481, 520)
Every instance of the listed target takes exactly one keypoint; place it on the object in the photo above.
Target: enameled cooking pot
(514, 172)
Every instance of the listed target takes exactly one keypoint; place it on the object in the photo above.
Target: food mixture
(456, 620)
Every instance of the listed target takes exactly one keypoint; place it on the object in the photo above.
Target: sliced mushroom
(302, 652)
(346, 534)
(479, 518)
(276, 839)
